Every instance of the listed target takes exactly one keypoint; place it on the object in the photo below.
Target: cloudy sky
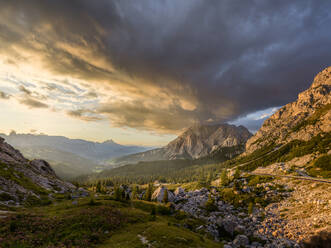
(142, 71)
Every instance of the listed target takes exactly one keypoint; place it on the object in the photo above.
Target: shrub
(210, 204)
(6, 197)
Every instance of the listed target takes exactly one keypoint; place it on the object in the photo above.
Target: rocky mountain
(69, 157)
(196, 142)
(303, 119)
(26, 181)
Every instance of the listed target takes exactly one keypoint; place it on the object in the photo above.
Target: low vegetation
(105, 223)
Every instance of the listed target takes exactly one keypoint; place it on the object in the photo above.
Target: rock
(241, 240)
(229, 226)
(240, 229)
(159, 193)
(179, 192)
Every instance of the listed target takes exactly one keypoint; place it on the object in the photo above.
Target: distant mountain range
(196, 142)
(70, 157)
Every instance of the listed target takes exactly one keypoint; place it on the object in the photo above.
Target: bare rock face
(308, 116)
(21, 178)
(200, 140)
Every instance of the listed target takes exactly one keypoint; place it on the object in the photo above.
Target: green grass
(106, 223)
(296, 148)
(320, 167)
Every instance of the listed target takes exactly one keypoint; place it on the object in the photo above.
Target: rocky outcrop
(21, 178)
(196, 142)
(308, 116)
(158, 194)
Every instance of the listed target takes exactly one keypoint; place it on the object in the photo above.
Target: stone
(159, 193)
(241, 240)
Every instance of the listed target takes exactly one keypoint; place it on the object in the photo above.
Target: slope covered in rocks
(25, 181)
(308, 116)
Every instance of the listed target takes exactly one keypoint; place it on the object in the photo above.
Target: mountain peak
(111, 141)
(199, 141)
(196, 142)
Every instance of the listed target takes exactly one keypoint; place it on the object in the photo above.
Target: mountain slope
(308, 116)
(22, 180)
(196, 142)
(91, 150)
(69, 157)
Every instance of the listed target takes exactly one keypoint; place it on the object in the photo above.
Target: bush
(6, 197)
(210, 204)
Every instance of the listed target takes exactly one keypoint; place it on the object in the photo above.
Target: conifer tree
(148, 194)
(165, 196)
(224, 178)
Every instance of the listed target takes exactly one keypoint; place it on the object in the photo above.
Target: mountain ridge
(302, 119)
(196, 142)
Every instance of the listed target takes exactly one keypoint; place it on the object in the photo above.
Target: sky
(141, 72)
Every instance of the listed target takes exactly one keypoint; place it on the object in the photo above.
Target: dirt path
(294, 177)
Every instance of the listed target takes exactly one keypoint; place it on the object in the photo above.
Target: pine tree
(224, 178)
(148, 194)
(117, 194)
(165, 196)
(250, 208)
(134, 193)
(98, 188)
(236, 174)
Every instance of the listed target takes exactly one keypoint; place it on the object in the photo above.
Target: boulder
(159, 194)
(179, 191)
(241, 241)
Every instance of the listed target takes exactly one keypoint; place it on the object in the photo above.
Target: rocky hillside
(308, 116)
(196, 142)
(24, 181)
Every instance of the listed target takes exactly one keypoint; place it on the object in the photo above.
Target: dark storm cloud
(232, 57)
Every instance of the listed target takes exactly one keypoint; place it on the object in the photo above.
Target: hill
(23, 181)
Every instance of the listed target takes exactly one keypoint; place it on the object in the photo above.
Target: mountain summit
(308, 116)
(196, 142)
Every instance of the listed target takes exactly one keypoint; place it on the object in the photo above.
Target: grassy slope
(105, 223)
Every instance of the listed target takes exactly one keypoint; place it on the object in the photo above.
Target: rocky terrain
(295, 211)
(196, 142)
(24, 181)
(308, 116)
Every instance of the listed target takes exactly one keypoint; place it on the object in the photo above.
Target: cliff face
(199, 141)
(308, 116)
(21, 178)
(196, 142)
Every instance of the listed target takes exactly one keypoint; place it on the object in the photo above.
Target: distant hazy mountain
(69, 157)
(196, 142)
